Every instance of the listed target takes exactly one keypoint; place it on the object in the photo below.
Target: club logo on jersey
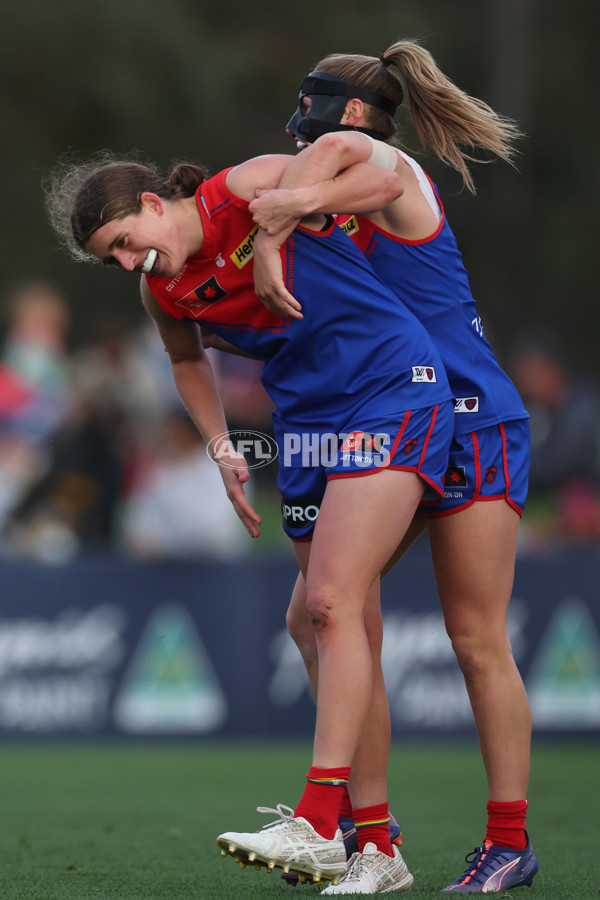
(202, 298)
(490, 474)
(244, 253)
(455, 476)
(350, 226)
(466, 404)
(423, 373)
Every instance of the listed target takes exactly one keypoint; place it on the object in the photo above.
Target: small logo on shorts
(466, 404)
(490, 474)
(409, 446)
(423, 373)
(455, 476)
(300, 513)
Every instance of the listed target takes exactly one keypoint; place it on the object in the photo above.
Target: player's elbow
(335, 146)
(184, 360)
(392, 187)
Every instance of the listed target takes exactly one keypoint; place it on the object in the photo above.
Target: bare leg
(348, 551)
(368, 781)
(475, 598)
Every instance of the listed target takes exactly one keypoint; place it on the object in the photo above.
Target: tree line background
(217, 82)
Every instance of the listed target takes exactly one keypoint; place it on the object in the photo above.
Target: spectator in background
(177, 508)
(34, 350)
(34, 389)
(564, 485)
(84, 462)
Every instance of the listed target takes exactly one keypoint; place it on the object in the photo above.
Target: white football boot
(373, 872)
(287, 843)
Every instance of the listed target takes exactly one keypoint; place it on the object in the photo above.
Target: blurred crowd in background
(97, 452)
(95, 449)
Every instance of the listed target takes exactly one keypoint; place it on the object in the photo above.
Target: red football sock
(320, 802)
(506, 823)
(373, 824)
(345, 806)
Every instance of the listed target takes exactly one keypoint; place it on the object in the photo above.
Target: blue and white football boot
(493, 868)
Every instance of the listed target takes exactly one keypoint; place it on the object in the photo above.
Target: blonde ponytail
(446, 119)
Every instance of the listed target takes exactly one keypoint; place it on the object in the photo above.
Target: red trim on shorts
(477, 493)
(385, 469)
(397, 440)
(400, 468)
(401, 431)
(510, 502)
(436, 487)
(357, 474)
(477, 461)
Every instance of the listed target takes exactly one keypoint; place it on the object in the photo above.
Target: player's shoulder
(260, 172)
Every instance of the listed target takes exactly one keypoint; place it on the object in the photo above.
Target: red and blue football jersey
(430, 279)
(357, 353)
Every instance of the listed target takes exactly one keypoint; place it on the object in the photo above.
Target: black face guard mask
(329, 95)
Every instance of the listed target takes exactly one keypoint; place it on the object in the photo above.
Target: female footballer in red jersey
(387, 403)
(346, 107)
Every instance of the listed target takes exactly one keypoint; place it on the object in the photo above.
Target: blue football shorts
(415, 441)
(489, 464)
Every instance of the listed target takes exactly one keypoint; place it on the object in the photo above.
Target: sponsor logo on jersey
(243, 254)
(350, 226)
(300, 513)
(202, 298)
(455, 476)
(175, 281)
(363, 449)
(361, 440)
(423, 373)
(466, 404)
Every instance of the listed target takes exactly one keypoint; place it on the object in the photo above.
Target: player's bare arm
(313, 183)
(197, 388)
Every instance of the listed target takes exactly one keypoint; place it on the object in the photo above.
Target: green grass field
(140, 820)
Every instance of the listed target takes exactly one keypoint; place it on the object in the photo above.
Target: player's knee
(322, 607)
(374, 630)
(478, 654)
(298, 624)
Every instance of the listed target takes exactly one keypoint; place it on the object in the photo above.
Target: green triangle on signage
(564, 678)
(170, 685)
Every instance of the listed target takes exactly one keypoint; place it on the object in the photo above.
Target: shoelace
(283, 817)
(477, 862)
(354, 867)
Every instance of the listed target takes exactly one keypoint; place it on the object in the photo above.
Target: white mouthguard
(149, 261)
